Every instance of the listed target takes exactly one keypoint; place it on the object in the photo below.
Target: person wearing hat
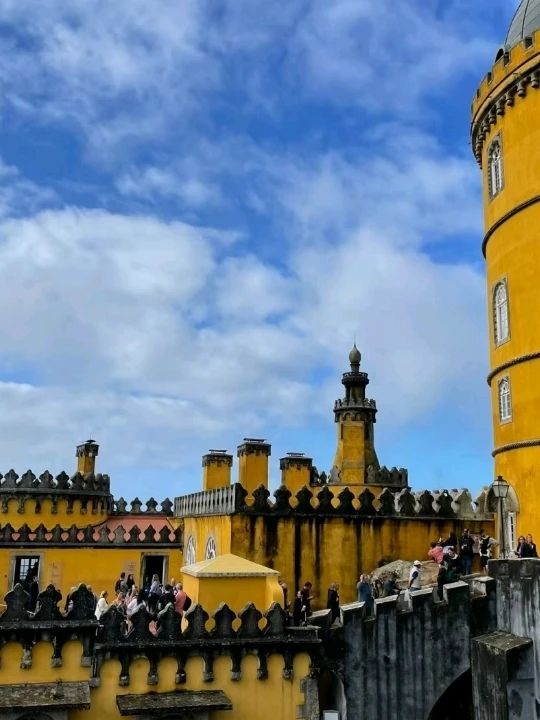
(415, 581)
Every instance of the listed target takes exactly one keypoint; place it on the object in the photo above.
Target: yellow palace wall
(250, 697)
(512, 252)
(47, 517)
(202, 528)
(326, 550)
(65, 567)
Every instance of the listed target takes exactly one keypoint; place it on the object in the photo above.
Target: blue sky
(203, 203)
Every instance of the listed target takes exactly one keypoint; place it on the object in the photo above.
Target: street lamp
(500, 490)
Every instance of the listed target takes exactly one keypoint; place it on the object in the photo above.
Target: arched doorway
(456, 701)
(331, 693)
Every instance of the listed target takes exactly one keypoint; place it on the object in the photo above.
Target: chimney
(253, 457)
(86, 456)
(216, 469)
(295, 471)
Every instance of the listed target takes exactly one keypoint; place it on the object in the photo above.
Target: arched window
(210, 551)
(505, 401)
(501, 325)
(495, 168)
(190, 551)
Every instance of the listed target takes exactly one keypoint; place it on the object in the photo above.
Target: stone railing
(221, 501)
(333, 501)
(155, 637)
(90, 535)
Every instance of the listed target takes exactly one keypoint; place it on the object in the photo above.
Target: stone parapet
(388, 503)
(120, 507)
(195, 635)
(88, 536)
(400, 659)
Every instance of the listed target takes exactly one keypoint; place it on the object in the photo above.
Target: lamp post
(500, 490)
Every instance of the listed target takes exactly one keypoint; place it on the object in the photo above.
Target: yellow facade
(327, 550)
(506, 112)
(251, 697)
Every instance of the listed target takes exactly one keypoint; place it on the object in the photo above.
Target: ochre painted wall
(326, 550)
(235, 591)
(513, 254)
(47, 517)
(66, 567)
(251, 698)
(203, 528)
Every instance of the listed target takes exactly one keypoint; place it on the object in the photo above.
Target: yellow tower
(355, 417)
(506, 143)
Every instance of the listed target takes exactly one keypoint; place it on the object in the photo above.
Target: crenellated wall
(398, 663)
(254, 655)
(329, 534)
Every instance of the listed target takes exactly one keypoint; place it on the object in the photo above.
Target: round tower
(506, 143)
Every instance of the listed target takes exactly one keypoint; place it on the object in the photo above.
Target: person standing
(486, 544)
(364, 593)
(415, 576)
(102, 605)
(333, 601)
(466, 552)
(532, 545)
(390, 586)
(307, 597)
(442, 579)
(523, 549)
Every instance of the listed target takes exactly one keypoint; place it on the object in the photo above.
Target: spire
(354, 358)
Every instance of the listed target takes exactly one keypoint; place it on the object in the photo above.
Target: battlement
(47, 484)
(120, 507)
(437, 504)
(473, 589)
(225, 633)
(513, 73)
(405, 641)
(88, 536)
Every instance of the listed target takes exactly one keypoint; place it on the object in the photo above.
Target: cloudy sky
(203, 203)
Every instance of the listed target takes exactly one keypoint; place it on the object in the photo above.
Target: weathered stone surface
(159, 704)
(45, 696)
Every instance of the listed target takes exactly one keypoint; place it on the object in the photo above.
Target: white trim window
(505, 400)
(210, 551)
(495, 167)
(501, 324)
(190, 555)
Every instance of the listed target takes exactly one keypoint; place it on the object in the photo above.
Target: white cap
(417, 563)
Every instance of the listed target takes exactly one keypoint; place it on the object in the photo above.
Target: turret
(355, 417)
(504, 137)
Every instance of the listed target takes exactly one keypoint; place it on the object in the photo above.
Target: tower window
(501, 325)
(495, 168)
(505, 401)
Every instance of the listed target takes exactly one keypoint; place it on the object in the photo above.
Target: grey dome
(524, 23)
